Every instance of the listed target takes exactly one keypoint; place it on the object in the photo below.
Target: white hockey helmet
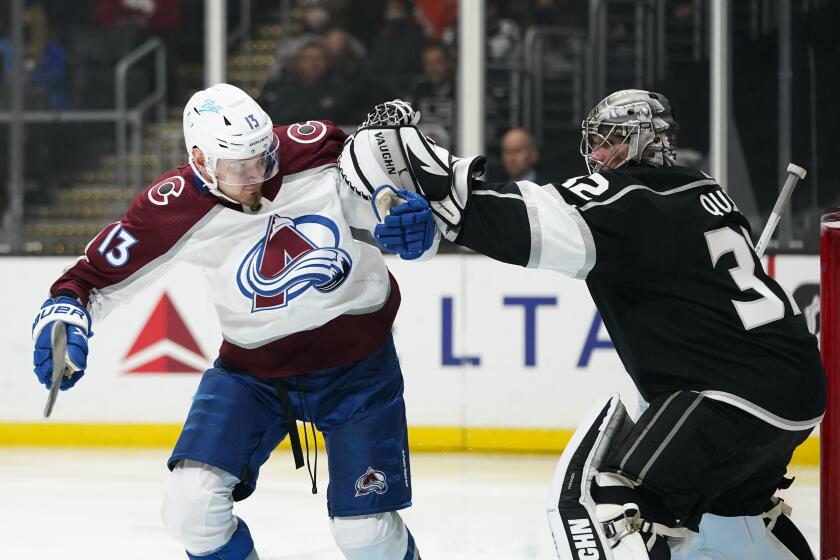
(640, 118)
(235, 135)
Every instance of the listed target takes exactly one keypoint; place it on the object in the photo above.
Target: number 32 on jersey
(766, 309)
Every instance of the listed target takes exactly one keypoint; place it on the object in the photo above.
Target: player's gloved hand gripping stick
(59, 368)
(60, 331)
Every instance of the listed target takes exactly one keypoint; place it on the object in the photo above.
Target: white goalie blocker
(586, 530)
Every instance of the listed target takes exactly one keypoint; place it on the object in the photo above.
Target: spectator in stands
(346, 55)
(434, 93)
(5, 54)
(309, 91)
(50, 71)
(5, 65)
(151, 15)
(503, 33)
(150, 18)
(70, 14)
(44, 60)
(683, 9)
(344, 51)
(316, 18)
(520, 155)
(564, 13)
(438, 18)
(395, 51)
(365, 19)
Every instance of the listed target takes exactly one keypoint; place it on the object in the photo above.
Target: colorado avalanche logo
(286, 263)
(307, 132)
(160, 193)
(372, 481)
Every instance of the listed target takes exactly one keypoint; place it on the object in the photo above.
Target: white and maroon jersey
(288, 282)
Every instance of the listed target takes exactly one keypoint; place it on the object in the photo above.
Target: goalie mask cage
(830, 350)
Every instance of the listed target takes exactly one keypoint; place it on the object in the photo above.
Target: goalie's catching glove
(406, 226)
(389, 150)
(391, 113)
(60, 313)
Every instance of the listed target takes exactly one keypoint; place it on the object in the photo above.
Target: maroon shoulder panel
(308, 144)
(156, 220)
(305, 145)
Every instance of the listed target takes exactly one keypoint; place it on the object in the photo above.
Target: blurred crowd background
(104, 83)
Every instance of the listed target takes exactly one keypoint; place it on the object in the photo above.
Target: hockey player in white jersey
(305, 311)
(717, 347)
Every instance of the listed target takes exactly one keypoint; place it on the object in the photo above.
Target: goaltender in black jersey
(717, 347)
(668, 259)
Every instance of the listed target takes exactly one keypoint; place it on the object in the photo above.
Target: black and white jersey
(670, 264)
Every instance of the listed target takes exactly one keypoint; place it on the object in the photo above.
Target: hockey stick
(795, 173)
(59, 348)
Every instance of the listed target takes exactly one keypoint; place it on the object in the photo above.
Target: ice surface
(98, 505)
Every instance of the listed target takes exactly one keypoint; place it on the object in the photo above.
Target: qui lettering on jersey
(717, 203)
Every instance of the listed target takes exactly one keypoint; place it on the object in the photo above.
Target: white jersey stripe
(630, 188)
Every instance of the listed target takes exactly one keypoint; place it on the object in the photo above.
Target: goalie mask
(633, 125)
(235, 135)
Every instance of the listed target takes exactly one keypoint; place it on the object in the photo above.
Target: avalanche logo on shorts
(372, 481)
(286, 262)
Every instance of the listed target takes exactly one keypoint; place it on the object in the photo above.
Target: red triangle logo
(164, 364)
(165, 323)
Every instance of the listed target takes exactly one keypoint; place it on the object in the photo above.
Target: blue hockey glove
(61, 312)
(408, 228)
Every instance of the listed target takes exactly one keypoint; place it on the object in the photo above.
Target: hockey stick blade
(59, 348)
(795, 173)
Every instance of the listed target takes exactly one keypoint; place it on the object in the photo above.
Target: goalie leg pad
(607, 524)
(571, 511)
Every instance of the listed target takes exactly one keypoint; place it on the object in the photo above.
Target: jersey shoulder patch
(171, 197)
(308, 144)
(166, 190)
